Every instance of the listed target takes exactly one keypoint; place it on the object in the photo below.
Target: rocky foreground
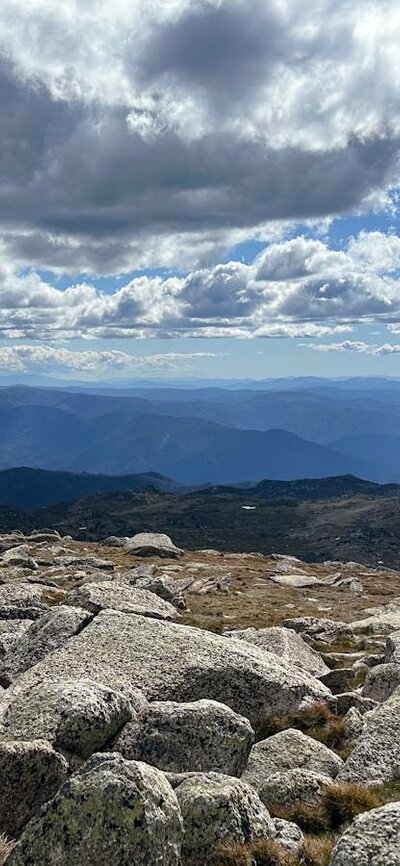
(168, 708)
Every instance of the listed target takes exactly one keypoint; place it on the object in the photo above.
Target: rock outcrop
(289, 750)
(95, 597)
(111, 811)
(372, 840)
(173, 662)
(31, 773)
(178, 738)
(217, 808)
(287, 645)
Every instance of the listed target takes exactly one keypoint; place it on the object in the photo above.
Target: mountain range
(207, 434)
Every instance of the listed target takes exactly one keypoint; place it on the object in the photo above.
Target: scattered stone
(165, 586)
(341, 704)
(43, 636)
(376, 756)
(373, 839)
(323, 630)
(339, 680)
(31, 773)
(91, 562)
(381, 682)
(77, 717)
(380, 620)
(286, 644)
(199, 736)
(288, 834)
(354, 723)
(296, 581)
(289, 750)
(292, 786)
(110, 811)
(10, 632)
(22, 601)
(114, 541)
(392, 650)
(217, 808)
(19, 556)
(173, 662)
(152, 544)
(95, 597)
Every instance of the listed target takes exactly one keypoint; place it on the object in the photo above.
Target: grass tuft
(344, 802)
(316, 851)
(6, 846)
(339, 805)
(261, 852)
(315, 720)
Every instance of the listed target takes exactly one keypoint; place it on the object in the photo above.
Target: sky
(199, 188)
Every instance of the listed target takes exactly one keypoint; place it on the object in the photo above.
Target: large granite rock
(289, 750)
(292, 786)
(43, 636)
(152, 544)
(382, 681)
(286, 644)
(78, 716)
(216, 808)
(95, 597)
(376, 756)
(372, 840)
(174, 662)
(111, 811)
(198, 736)
(31, 773)
(22, 601)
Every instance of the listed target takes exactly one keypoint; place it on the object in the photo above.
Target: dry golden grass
(317, 721)
(344, 802)
(261, 852)
(311, 818)
(6, 846)
(339, 805)
(316, 851)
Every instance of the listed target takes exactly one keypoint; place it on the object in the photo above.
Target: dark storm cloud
(220, 116)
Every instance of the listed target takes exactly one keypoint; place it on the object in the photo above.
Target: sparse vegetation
(316, 720)
(6, 847)
(339, 805)
(315, 851)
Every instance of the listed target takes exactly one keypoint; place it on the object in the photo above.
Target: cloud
(358, 347)
(142, 131)
(51, 359)
(299, 287)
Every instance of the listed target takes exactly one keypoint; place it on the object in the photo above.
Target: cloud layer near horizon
(299, 287)
(149, 132)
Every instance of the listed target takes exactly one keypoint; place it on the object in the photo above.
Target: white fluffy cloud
(297, 288)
